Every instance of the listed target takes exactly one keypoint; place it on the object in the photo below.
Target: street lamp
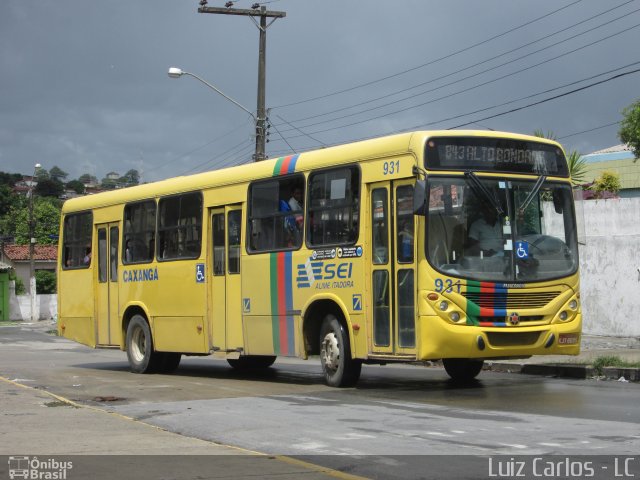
(32, 244)
(259, 122)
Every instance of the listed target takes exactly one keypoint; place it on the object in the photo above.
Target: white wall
(610, 267)
(20, 307)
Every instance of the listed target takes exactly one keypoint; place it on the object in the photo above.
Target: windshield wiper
(533, 193)
(481, 191)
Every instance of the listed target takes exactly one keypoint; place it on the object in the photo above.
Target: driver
(485, 234)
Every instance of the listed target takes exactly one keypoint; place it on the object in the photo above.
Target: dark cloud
(84, 84)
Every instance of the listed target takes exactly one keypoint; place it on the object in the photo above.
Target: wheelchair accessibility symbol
(522, 250)
(200, 272)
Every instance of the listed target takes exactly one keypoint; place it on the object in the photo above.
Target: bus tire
(339, 368)
(252, 362)
(169, 361)
(140, 352)
(462, 369)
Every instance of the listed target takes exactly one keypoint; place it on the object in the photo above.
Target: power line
(555, 97)
(199, 166)
(431, 62)
(590, 130)
(467, 68)
(472, 87)
(475, 121)
(526, 97)
(180, 157)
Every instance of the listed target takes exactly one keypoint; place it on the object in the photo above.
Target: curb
(560, 370)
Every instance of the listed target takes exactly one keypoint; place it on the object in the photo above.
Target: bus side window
(139, 232)
(276, 214)
(180, 226)
(76, 238)
(334, 207)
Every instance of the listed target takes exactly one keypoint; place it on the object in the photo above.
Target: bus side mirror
(420, 198)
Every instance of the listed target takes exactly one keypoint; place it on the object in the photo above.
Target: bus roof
(411, 142)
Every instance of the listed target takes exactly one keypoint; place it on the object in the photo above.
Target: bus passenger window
(333, 207)
(276, 213)
(139, 232)
(180, 226)
(76, 238)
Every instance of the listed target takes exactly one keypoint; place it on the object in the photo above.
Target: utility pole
(261, 113)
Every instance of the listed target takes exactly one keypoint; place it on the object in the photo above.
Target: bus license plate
(568, 339)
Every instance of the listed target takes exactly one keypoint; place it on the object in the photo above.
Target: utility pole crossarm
(242, 11)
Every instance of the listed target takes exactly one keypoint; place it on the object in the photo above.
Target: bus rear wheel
(340, 370)
(142, 357)
(462, 369)
(252, 362)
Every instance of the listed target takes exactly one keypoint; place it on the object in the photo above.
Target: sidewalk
(581, 366)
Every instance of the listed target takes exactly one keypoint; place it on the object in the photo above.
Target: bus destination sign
(495, 155)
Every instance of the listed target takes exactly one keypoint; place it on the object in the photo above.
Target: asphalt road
(383, 428)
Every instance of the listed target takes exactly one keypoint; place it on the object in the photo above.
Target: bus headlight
(563, 315)
(573, 304)
(455, 316)
(444, 305)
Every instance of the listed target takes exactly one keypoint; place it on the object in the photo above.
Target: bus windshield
(502, 230)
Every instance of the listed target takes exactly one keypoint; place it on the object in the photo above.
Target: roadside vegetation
(612, 361)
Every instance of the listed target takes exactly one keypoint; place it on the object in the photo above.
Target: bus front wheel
(340, 370)
(142, 357)
(462, 369)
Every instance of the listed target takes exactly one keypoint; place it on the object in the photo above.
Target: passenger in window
(485, 234)
(295, 202)
(127, 250)
(87, 256)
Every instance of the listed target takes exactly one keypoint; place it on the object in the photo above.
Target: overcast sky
(84, 85)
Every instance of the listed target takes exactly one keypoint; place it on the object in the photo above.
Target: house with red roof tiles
(17, 257)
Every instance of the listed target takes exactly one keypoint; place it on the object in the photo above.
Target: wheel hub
(331, 351)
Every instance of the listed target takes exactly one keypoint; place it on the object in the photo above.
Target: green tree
(46, 215)
(76, 185)
(577, 167)
(538, 132)
(49, 187)
(42, 174)
(45, 282)
(132, 177)
(20, 290)
(56, 173)
(607, 182)
(86, 178)
(629, 131)
(7, 199)
(9, 179)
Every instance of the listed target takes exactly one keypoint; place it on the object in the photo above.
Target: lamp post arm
(212, 87)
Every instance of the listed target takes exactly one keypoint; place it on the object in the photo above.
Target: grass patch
(612, 361)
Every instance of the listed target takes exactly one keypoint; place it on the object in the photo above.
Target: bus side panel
(175, 299)
(192, 337)
(76, 310)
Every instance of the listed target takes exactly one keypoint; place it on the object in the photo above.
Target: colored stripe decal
(281, 284)
(285, 165)
(273, 285)
(498, 293)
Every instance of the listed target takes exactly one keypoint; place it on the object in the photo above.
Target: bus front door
(107, 316)
(393, 268)
(224, 296)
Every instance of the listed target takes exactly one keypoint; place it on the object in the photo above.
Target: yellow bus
(451, 245)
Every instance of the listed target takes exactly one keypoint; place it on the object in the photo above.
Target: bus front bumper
(440, 339)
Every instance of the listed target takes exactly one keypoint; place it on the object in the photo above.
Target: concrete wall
(610, 267)
(20, 306)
